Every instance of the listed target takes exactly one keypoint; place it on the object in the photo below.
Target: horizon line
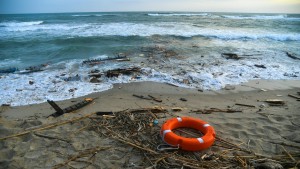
(145, 11)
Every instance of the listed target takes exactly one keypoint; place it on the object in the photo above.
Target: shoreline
(125, 91)
(261, 128)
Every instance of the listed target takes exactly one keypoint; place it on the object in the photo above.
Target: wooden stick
(47, 127)
(247, 105)
(155, 99)
(80, 155)
(51, 137)
(296, 97)
(141, 97)
(288, 154)
(127, 142)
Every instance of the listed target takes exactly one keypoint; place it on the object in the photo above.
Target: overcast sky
(50, 6)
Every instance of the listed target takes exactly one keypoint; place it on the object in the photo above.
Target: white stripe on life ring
(164, 133)
(200, 140)
(179, 119)
(206, 125)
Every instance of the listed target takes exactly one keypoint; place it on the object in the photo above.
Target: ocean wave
(161, 28)
(177, 14)
(183, 30)
(91, 15)
(258, 17)
(20, 24)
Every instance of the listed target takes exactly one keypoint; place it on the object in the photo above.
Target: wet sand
(261, 128)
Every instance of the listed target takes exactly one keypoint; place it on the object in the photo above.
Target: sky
(56, 6)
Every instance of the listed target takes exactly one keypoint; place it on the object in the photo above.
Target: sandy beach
(239, 114)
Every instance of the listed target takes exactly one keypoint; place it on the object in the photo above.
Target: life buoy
(189, 144)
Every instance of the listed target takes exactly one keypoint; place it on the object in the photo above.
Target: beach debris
(211, 110)
(73, 89)
(152, 49)
(231, 56)
(92, 62)
(260, 66)
(126, 71)
(155, 98)
(158, 51)
(183, 99)
(72, 78)
(267, 165)
(229, 87)
(290, 75)
(291, 55)
(142, 97)
(171, 84)
(91, 152)
(275, 102)
(94, 80)
(293, 96)
(170, 53)
(72, 108)
(177, 109)
(9, 70)
(95, 73)
(51, 137)
(247, 105)
(132, 130)
(5, 105)
(101, 113)
(32, 69)
(262, 105)
(47, 126)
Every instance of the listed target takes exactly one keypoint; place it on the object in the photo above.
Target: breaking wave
(162, 28)
(177, 14)
(92, 15)
(262, 17)
(20, 24)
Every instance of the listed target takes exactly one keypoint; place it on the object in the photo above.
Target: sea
(42, 56)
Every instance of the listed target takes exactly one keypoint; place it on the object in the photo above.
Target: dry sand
(262, 129)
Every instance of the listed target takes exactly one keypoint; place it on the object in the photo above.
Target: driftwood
(155, 98)
(292, 56)
(231, 56)
(48, 126)
(88, 152)
(51, 137)
(296, 97)
(209, 111)
(260, 66)
(98, 61)
(74, 107)
(127, 71)
(247, 105)
(141, 97)
(33, 69)
(275, 102)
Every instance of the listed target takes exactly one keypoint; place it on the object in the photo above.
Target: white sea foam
(87, 15)
(260, 17)
(57, 80)
(139, 29)
(20, 24)
(6, 63)
(178, 14)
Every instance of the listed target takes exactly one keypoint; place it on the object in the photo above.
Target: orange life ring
(189, 144)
